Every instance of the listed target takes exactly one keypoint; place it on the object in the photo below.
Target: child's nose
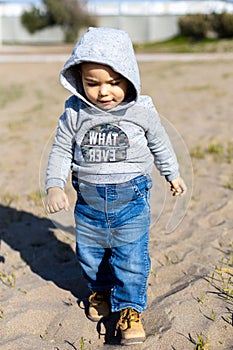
(103, 91)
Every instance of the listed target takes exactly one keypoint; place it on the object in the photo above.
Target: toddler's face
(103, 87)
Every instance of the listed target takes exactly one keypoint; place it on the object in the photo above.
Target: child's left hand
(178, 187)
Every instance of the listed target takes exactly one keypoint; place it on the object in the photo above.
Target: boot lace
(127, 316)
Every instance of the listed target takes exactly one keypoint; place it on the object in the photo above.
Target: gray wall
(14, 32)
(140, 28)
(145, 21)
(143, 28)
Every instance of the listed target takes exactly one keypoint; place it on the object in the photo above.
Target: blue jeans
(112, 231)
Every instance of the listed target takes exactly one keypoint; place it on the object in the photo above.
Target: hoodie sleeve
(61, 154)
(160, 146)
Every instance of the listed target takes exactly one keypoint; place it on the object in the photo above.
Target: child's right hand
(56, 200)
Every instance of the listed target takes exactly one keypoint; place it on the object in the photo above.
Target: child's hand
(178, 187)
(56, 200)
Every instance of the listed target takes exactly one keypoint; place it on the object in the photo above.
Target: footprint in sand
(220, 216)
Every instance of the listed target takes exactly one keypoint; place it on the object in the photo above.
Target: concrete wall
(145, 21)
(143, 28)
(13, 32)
(140, 28)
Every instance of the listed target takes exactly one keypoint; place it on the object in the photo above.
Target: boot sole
(97, 319)
(93, 319)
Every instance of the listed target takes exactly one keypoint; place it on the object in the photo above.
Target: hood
(106, 46)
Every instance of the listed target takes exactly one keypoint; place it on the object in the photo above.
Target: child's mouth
(105, 102)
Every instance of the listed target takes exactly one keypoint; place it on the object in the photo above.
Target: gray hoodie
(111, 146)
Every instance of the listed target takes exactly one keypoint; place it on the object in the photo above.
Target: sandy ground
(190, 292)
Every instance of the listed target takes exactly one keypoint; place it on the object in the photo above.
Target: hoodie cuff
(54, 183)
(172, 176)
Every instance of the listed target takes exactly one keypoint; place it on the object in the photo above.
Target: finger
(49, 209)
(67, 206)
(66, 203)
(53, 208)
(177, 190)
(177, 193)
(61, 205)
(183, 189)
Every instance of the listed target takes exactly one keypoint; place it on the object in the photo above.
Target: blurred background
(58, 21)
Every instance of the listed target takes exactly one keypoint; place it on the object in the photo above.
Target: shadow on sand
(53, 260)
(33, 237)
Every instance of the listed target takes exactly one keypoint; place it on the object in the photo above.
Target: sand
(190, 291)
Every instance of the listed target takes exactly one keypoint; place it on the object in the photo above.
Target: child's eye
(114, 83)
(91, 84)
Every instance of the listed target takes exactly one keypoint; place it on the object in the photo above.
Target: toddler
(110, 137)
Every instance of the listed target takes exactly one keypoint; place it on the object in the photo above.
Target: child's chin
(107, 106)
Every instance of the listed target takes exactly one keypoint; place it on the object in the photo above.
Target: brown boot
(99, 305)
(132, 331)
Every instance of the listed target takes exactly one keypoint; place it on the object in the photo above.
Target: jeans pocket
(142, 188)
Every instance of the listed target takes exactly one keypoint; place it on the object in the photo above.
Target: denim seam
(147, 269)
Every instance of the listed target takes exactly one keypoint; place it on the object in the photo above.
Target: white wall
(145, 21)
(14, 32)
(143, 28)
